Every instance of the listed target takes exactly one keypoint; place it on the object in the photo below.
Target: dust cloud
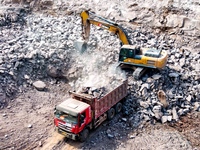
(96, 71)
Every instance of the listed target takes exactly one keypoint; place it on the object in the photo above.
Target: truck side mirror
(55, 109)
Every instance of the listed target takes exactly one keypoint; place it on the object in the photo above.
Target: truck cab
(80, 113)
(71, 118)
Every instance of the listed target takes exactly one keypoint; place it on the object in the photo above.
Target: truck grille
(63, 127)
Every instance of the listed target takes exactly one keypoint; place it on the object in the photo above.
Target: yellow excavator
(130, 56)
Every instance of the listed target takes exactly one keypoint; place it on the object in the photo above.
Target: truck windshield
(66, 117)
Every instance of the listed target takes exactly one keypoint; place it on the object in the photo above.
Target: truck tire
(118, 108)
(111, 113)
(84, 135)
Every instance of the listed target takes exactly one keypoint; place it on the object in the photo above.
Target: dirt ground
(27, 123)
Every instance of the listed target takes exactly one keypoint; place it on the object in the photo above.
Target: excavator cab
(126, 53)
(129, 51)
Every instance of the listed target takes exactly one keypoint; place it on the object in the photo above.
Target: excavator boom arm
(105, 24)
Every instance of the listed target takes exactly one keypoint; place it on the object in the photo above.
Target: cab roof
(72, 106)
(128, 46)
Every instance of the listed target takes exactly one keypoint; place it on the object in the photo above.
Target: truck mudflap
(67, 134)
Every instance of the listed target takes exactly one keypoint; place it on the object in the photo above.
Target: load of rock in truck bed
(100, 91)
(96, 92)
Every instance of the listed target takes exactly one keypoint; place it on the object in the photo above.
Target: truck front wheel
(84, 135)
(111, 113)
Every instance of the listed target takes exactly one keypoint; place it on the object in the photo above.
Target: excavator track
(139, 71)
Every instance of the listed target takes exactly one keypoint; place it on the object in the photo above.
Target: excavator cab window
(131, 53)
(122, 54)
(126, 53)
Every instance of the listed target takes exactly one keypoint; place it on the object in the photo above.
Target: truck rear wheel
(84, 135)
(118, 107)
(111, 113)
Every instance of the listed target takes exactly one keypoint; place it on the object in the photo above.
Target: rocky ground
(37, 44)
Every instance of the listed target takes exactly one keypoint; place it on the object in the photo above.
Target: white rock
(11, 73)
(164, 119)
(174, 114)
(157, 108)
(156, 76)
(132, 136)
(8, 107)
(177, 55)
(124, 119)
(40, 143)
(169, 118)
(26, 77)
(110, 136)
(144, 104)
(146, 117)
(174, 20)
(30, 126)
(173, 74)
(157, 111)
(179, 97)
(145, 85)
(181, 112)
(197, 106)
(182, 62)
(189, 98)
(39, 85)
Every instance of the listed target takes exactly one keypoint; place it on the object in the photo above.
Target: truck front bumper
(67, 134)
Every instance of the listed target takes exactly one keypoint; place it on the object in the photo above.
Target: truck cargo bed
(100, 106)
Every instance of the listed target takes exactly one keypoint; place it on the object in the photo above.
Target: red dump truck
(80, 113)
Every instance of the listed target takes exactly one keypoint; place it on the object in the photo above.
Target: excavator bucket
(80, 46)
